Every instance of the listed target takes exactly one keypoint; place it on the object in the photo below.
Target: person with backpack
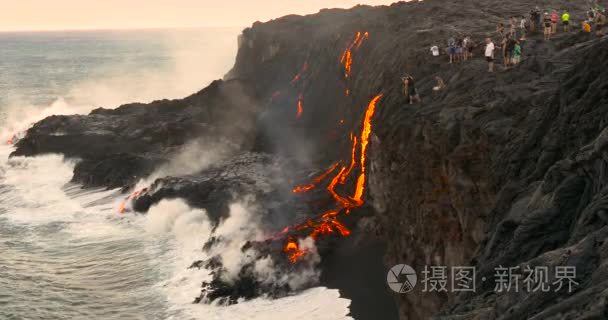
(547, 26)
(554, 18)
(566, 21)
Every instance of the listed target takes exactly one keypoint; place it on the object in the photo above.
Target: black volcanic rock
(245, 175)
(118, 147)
(506, 169)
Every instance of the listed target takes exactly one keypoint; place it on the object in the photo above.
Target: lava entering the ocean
(122, 208)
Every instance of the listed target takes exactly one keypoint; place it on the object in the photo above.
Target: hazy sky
(101, 14)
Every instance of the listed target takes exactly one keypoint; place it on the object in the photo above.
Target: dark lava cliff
(506, 169)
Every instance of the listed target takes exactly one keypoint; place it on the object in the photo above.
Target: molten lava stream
(132, 197)
(365, 133)
(299, 108)
(315, 181)
(353, 138)
(299, 75)
(292, 249)
(328, 223)
(347, 55)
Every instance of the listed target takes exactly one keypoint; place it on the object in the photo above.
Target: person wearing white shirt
(489, 53)
(435, 51)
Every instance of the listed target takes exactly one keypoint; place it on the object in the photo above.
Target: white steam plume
(266, 271)
(191, 158)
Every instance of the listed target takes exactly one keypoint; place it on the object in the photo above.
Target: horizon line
(69, 29)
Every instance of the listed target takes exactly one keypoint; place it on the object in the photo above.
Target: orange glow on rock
(315, 181)
(328, 222)
(293, 251)
(347, 55)
(300, 108)
(367, 128)
(352, 159)
(122, 207)
(299, 75)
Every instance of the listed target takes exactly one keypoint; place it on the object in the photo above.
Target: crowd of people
(510, 37)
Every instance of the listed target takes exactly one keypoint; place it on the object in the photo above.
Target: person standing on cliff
(547, 26)
(522, 26)
(586, 26)
(468, 46)
(489, 53)
(500, 29)
(554, 19)
(409, 89)
(516, 53)
(600, 21)
(534, 18)
(566, 21)
(452, 49)
(513, 26)
(509, 50)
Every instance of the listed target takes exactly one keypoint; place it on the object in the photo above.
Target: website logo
(401, 278)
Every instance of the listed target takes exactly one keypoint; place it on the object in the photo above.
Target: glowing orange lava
(122, 208)
(347, 55)
(328, 222)
(316, 180)
(293, 251)
(299, 75)
(300, 107)
(365, 133)
(12, 140)
(274, 96)
(353, 138)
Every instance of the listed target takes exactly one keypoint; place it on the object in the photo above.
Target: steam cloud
(191, 228)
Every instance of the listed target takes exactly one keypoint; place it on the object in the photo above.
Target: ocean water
(65, 253)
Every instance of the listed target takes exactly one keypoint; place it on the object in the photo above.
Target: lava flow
(365, 133)
(353, 138)
(299, 108)
(299, 75)
(328, 222)
(347, 55)
(132, 197)
(293, 251)
(316, 180)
